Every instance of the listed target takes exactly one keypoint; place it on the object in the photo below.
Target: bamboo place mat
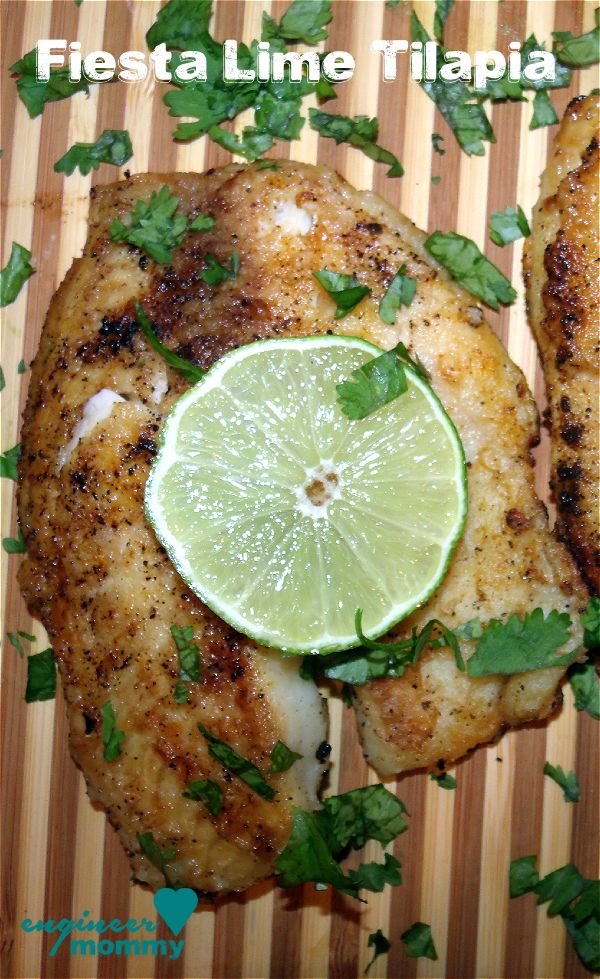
(60, 855)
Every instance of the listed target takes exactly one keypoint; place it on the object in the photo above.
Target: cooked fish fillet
(106, 591)
(562, 279)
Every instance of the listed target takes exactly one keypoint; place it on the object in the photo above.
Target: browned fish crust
(562, 280)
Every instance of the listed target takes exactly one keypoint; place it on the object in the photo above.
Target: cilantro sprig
(581, 51)
(320, 839)
(360, 132)
(229, 758)
(567, 781)
(190, 371)
(574, 897)
(304, 20)
(112, 146)
(463, 260)
(418, 941)
(520, 645)
(153, 226)
(586, 689)
(508, 225)
(380, 945)
(35, 94)
(15, 273)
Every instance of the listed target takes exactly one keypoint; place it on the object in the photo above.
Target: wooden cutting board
(60, 855)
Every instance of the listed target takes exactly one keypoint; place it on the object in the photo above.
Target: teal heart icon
(175, 907)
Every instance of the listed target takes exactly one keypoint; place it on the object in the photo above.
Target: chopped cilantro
(14, 274)
(251, 144)
(14, 639)
(435, 180)
(345, 290)
(586, 690)
(215, 273)
(392, 4)
(206, 791)
(581, 51)
(153, 226)
(189, 661)
(155, 855)
(590, 621)
(568, 782)
(375, 384)
(575, 898)
(21, 367)
(519, 645)
(456, 102)
(111, 736)
(14, 545)
(36, 93)
(2, 380)
(508, 225)
(267, 165)
(244, 769)
(444, 780)
(304, 20)
(191, 372)
(360, 131)
(112, 146)
(436, 139)
(202, 222)
(419, 941)
(462, 259)
(543, 111)
(8, 463)
(400, 292)
(378, 942)
(180, 24)
(282, 758)
(319, 839)
(442, 9)
(181, 693)
(41, 676)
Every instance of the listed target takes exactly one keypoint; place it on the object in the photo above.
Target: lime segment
(285, 516)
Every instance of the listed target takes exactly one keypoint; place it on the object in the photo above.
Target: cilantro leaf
(462, 259)
(252, 144)
(543, 111)
(590, 621)
(41, 676)
(374, 876)
(35, 94)
(568, 782)
(419, 941)
(181, 692)
(442, 9)
(215, 273)
(8, 463)
(522, 876)
(206, 791)
(155, 855)
(14, 274)
(457, 103)
(359, 131)
(577, 52)
(444, 780)
(244, 769)
(14, 545)
(21, 367)
(202, 222)
(304, 20)
(282, 758)
(180, 24)
(112, 146)
(586, 690)
(375, 384)
(189, 661)
(2, 380)
(377, 939)
(400, 292)
(519, 645)
(153, 226)
(508, 225)
(191, 372)
(369, 813)
(345, 290)
(319, 838)
(14, 639)
(111, 736)
(436, 139)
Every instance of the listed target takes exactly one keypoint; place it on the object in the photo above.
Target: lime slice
(285, 516)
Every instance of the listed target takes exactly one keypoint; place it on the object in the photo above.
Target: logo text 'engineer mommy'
(335, 66)
(115, 945)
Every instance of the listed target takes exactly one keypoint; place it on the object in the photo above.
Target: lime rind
(258, 514)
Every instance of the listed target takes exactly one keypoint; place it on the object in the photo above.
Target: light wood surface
(60, 857)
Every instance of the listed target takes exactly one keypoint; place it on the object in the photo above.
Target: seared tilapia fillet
(561, 275)
(106, 591)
